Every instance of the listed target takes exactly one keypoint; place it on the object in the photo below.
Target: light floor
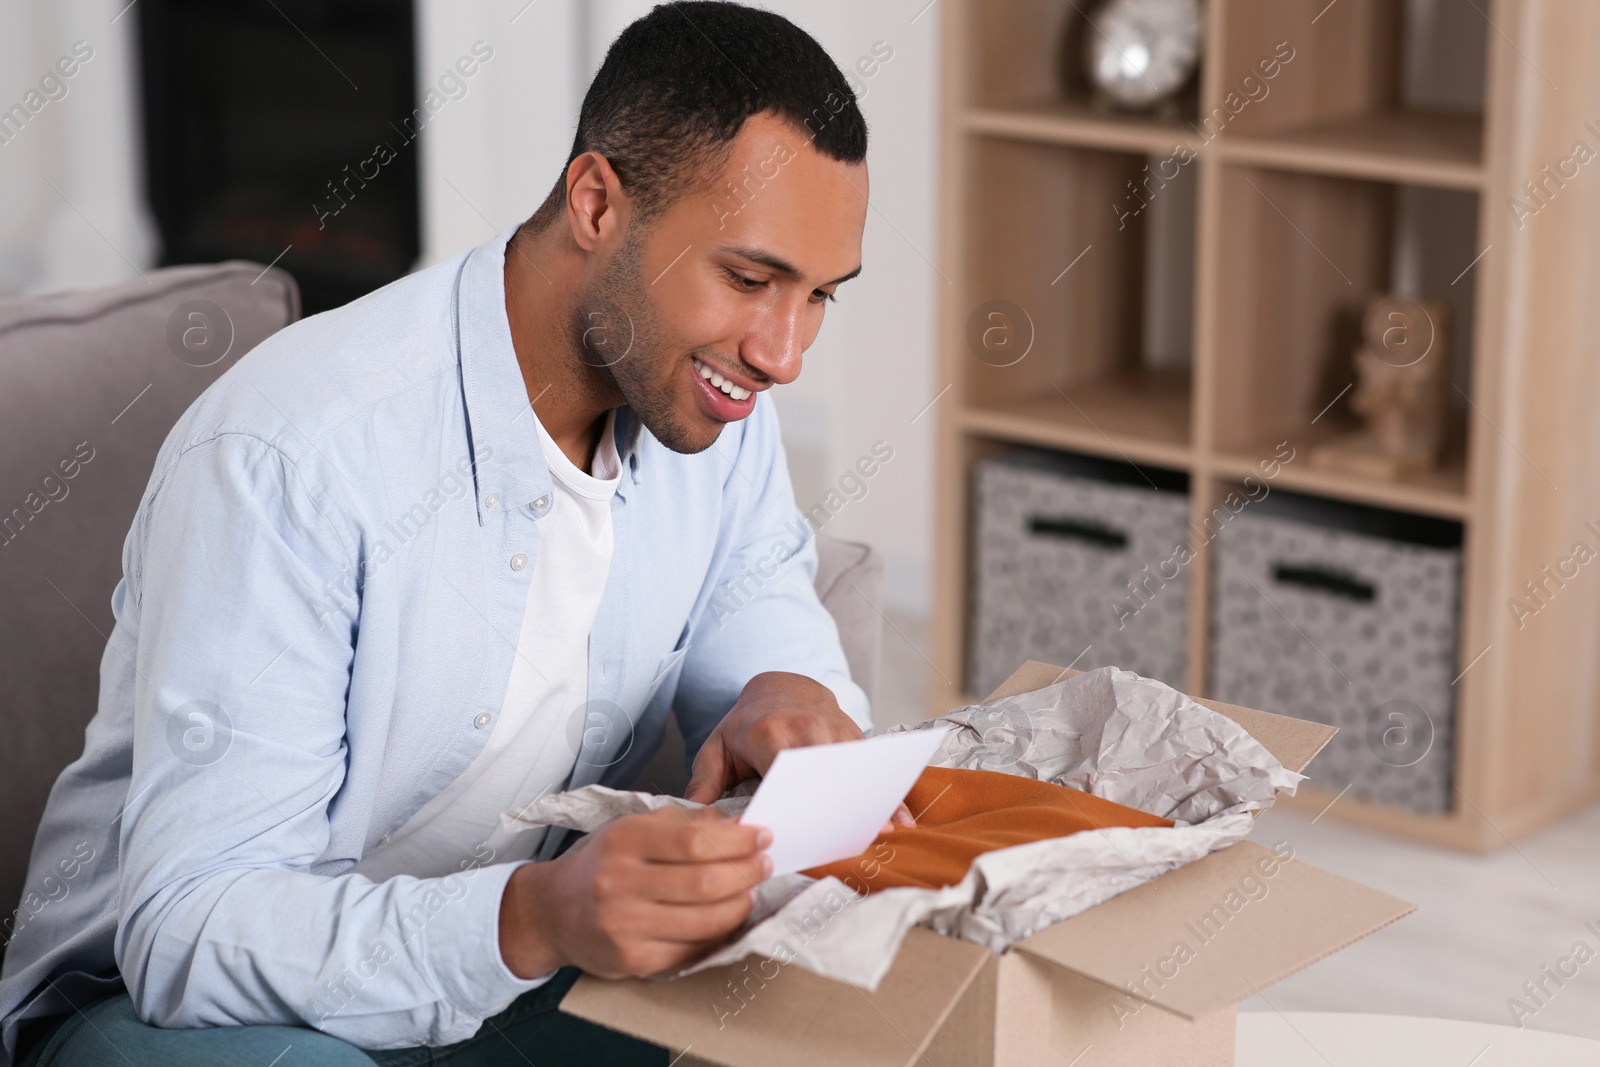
(1484, 925)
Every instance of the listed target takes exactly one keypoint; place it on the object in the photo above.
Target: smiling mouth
(719, 382)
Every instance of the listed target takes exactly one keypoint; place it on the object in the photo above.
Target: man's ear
(597, 207)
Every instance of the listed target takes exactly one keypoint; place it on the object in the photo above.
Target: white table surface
(1333, 1039)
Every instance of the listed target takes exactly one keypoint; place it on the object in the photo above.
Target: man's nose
(777, 343)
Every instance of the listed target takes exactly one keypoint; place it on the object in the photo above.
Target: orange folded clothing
(961, 815)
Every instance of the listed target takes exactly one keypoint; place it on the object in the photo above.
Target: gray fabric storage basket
(1346, 616)
(1057, 540)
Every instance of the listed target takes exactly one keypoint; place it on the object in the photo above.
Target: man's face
(726, 290)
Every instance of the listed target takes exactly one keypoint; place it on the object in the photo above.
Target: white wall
(489, 157)
(874, 364)
(72, 209)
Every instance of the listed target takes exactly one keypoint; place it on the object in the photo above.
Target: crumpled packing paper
(1109, 732)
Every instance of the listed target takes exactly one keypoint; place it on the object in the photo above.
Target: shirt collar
(500, 424)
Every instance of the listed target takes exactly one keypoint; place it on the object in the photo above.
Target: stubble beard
(617, 335)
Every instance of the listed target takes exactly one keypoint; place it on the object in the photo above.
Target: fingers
(673, 835)
(697, 924)
(750, 751)
(710, 778)
(697, 856)
(696, 883)
(774, 712)
(632, 921)
(778, 732)
(656, 891)
(900, 820)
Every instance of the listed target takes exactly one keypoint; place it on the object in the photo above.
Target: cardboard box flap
(1211, 933)
(760, 1014)
(1293, 741)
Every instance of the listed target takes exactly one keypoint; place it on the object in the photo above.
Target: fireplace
(283, 131)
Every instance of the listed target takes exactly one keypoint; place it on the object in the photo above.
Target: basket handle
(1088, 531)
(1320, 579)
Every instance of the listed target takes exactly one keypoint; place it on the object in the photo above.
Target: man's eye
(747, 284)
(829, 297)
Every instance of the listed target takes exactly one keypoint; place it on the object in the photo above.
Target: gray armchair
(90, 384)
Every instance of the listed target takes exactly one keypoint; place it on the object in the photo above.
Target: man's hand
(643, 894)
(775, 711)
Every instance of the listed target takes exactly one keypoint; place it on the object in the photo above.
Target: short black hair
(677, 86)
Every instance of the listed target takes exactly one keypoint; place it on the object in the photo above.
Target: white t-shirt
(530, 752)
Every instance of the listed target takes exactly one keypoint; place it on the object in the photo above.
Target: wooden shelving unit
(1296, 203)
(1441, 150)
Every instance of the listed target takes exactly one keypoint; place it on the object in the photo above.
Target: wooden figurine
(1402, 374)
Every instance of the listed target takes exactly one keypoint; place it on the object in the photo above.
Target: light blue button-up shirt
(321, 597)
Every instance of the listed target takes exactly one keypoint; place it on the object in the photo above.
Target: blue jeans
(531, 1030)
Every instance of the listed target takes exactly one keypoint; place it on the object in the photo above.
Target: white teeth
(716, 379)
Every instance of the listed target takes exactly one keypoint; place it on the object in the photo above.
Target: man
(463, 542)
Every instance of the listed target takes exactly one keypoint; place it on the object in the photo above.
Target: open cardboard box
(1150, 977)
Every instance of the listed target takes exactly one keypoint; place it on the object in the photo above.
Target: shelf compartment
(1076, 123)
(1105, 328)
(1386, 89)
(1139, 417)
(1440, 492)
(1058, 540)
(1024, 53)
(1302, 258)
(1423, 148)
(1347, 615)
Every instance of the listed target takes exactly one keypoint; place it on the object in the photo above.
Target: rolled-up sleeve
(763, 613)
(239, 748)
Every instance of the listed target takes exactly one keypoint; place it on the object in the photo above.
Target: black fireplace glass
(283, 131)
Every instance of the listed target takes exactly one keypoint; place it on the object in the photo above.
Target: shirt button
(519, 561)
(491, 500)
(482, 720)
(542, 504)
